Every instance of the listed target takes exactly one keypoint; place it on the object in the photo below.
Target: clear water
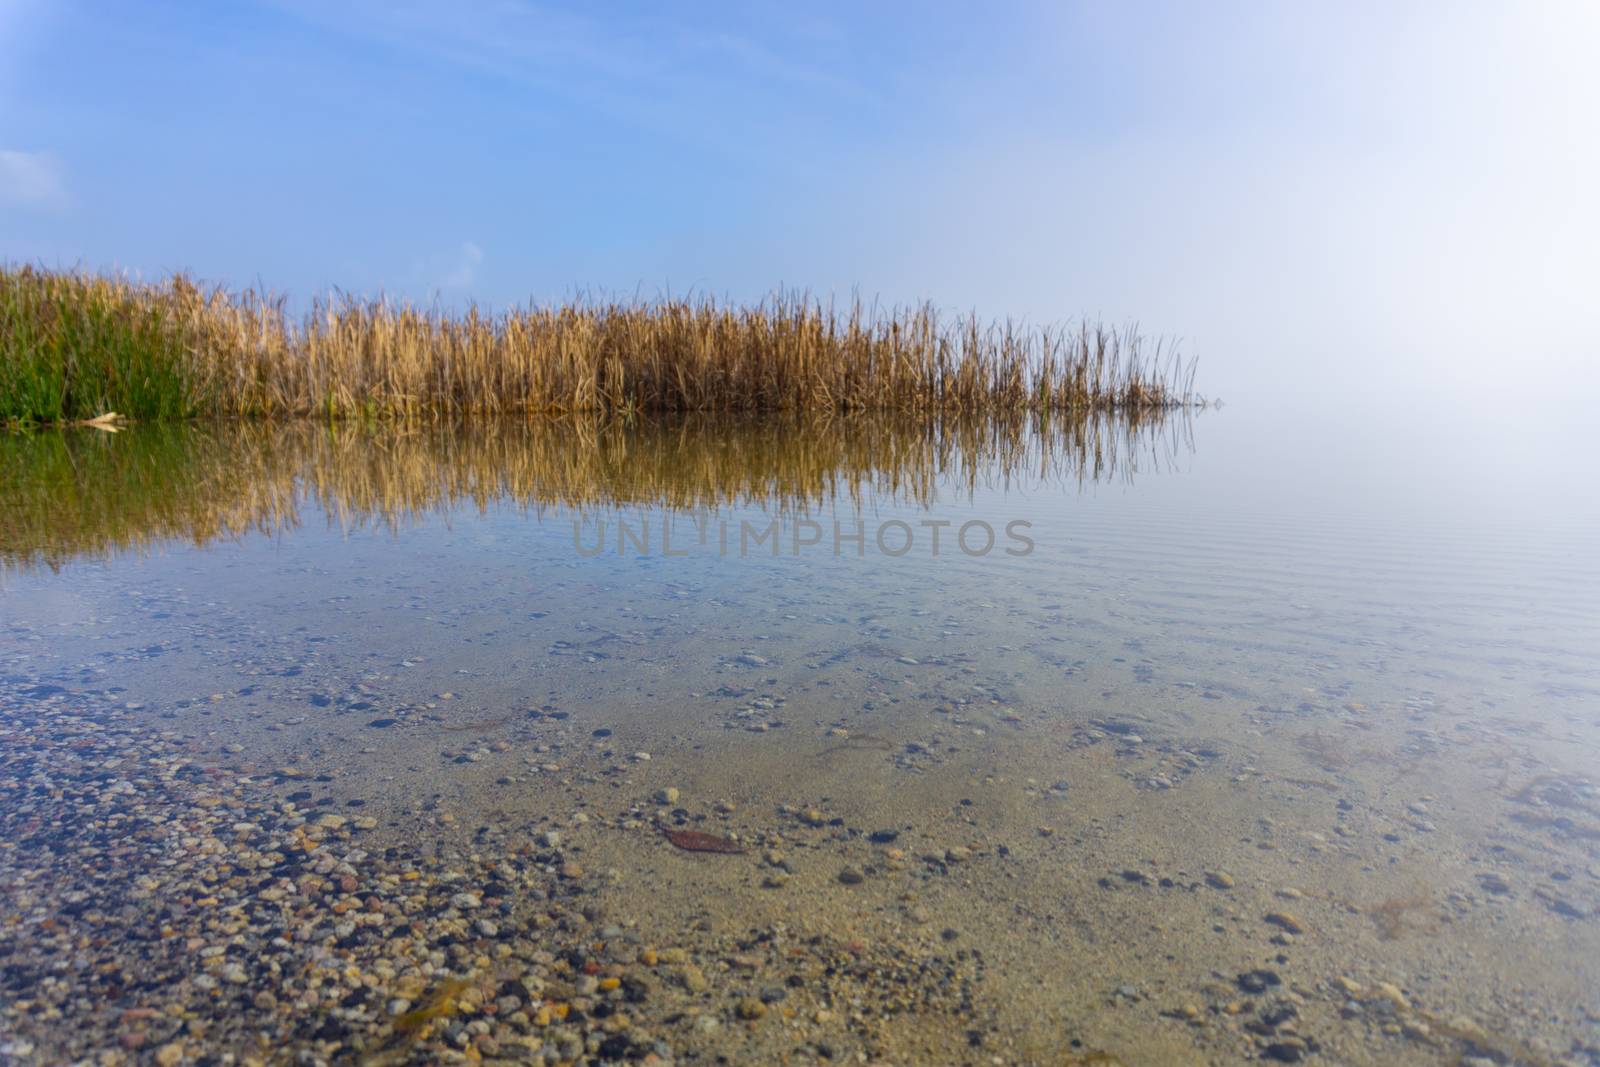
(1257, 695)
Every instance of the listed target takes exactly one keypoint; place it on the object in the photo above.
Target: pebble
(1391, 993)
(283, 927)
(1286, 1050)
(1258, 981)
(1286, 921)
(1219, 880)
(669, 795)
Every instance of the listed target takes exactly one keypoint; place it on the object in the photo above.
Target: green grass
(74, 347)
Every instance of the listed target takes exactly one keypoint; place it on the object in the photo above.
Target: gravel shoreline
(166, 899)
(158, 908)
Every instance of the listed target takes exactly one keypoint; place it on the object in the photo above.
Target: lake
(1222, 735)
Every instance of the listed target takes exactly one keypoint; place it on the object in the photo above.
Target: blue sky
(1313, 195)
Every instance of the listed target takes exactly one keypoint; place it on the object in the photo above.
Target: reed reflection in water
(83, 493)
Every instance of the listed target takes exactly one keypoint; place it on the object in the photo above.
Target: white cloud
(31, 179)
(466, 268)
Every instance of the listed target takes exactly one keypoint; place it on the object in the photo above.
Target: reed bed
(74, 346)
(79, 493)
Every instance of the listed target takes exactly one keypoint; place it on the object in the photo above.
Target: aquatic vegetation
(75, 345)
(696, 841)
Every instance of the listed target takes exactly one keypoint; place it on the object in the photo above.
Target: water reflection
(1222, 772)
(82, 493)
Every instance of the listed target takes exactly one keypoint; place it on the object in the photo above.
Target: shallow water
(1247, 738)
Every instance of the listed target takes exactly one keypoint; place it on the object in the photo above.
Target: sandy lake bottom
(357, 750)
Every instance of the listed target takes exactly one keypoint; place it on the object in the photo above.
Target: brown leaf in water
(695, 841)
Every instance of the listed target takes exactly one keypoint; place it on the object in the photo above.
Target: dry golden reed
(75, 345)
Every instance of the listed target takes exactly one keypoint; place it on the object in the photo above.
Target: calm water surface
(1248, 738)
